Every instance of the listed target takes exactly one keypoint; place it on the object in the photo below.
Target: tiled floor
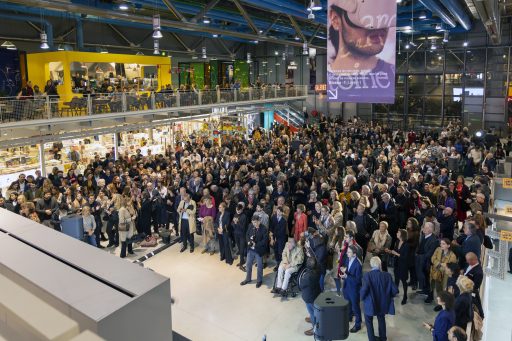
(211, 305)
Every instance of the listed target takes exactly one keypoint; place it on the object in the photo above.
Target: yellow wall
(39, 70)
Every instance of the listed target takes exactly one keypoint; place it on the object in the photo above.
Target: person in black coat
(239, 227)
(475, 273)
(309, 285)
(257, 245)
(365, 225)
(144, 221)
(453, 273)
(222, 223)
(426, 247)
(317, 245)
(447, 223)
(279, 230)
(388, 212)
(463, 303)
(401, 264)
(470, 241)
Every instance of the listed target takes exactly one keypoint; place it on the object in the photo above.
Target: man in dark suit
(352, 273)
(388, 212)
(470, 241)
(279, 230)
(154, 198)
(475, 273)
(239, 226)
(426, 247)
(257, 244)
(377, 294)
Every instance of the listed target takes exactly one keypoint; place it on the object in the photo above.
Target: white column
(150, 135)
(42, 159)
(116, 142)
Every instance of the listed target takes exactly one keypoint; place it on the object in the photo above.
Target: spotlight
(407, 46)
(44, 41)
(297, 38)
(445, 37)
(276, 53)
(156, 27)
(311, 15)
(123, 7)
(156, 47)
(480, 134)
(215, 35)
(465, 44)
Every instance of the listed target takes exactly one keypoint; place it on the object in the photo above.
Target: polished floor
(211, 305)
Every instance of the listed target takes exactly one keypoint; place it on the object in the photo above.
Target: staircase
(296, 119)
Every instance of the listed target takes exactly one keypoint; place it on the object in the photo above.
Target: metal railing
(47, 107)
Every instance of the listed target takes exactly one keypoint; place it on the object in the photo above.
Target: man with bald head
(447, 221)
(426, 247)
(475, 273)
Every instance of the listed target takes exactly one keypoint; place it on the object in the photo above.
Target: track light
(315, 5)
(446, 36)
(157, 34)
(44, 41)
(156, 46)
(8, 45)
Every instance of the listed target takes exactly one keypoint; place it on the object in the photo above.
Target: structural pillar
(116, 143)
(42, 159)
(150, 135)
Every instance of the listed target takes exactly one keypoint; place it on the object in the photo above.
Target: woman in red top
(462, 194)
(301, 222)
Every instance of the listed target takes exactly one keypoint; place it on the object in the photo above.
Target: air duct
(458, 12)
(435, 8)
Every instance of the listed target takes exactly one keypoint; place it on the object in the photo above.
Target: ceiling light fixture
(311, 15)
(249, 57)
(423, 15)
(157, 34)
(465, 44)
(139, 53)
(206, 20)
(44, 41)
(315, 5)
(203, 52)
(215, 35)
(60, 47)
(123, 7)
(284, 55)
(446, 36)
(156, 47)
(305, 50)
(103, 50)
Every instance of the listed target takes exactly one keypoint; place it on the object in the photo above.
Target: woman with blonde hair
(126, 226)
(463, 306)
(379, 242)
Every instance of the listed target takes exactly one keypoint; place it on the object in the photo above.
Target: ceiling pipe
(48, 27)
(64, 6)
(458, 12)
(437, 10)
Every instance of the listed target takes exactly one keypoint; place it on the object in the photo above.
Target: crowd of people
(324, 199)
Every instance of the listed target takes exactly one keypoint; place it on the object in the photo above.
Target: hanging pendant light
(305, 50)
(157, 34)
(44, 41)
(203, 51)
(249, 57)
(315, 5)
(8, 45)
(284, 55)
(156, 46)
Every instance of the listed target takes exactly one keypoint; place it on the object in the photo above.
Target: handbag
(488, 243)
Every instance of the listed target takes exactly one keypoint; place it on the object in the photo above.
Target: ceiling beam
(314, 34)
(68, 7)
(272, 24)
(65, 34)
(35, 27)
(205, 10)
(297, 28)
(181, 42)
(122, 36)
(223, 44)
(246, 16)
(174, 10)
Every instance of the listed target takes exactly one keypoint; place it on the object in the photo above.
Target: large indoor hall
(247, 170)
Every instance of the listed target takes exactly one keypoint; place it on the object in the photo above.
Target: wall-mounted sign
(320, 87)
(506, 236)
(507, 182)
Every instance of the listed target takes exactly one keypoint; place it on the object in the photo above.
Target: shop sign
(507, 182)
(320, 87)
(506, 236)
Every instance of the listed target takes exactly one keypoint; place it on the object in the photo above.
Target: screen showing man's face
(360, 41)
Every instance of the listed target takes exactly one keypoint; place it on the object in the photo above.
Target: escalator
(289, 118)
